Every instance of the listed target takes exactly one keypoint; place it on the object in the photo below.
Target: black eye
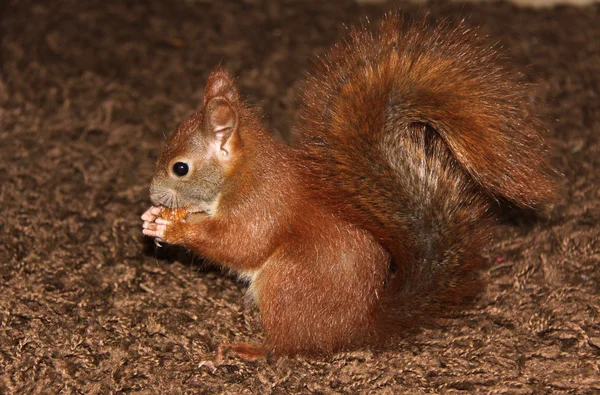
(180, 169)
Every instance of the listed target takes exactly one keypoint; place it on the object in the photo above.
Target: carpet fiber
(88, 91)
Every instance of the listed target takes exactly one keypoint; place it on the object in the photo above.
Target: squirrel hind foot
(246, 351)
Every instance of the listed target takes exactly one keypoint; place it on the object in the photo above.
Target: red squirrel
(377, 214)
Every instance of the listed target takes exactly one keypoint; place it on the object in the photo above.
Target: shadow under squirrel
(376, 215)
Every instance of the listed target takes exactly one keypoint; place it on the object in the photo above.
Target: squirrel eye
(181, 169)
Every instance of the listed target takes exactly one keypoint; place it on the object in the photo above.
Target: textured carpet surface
(89, 89)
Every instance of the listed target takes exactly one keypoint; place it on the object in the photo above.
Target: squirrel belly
(375, 218)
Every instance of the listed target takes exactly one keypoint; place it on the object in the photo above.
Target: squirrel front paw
(151, 227)
(162, 223)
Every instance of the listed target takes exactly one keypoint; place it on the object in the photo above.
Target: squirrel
(375, 217)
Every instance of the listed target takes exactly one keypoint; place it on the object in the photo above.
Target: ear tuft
(221, 84)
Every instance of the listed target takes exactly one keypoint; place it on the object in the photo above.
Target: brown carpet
(88, 90)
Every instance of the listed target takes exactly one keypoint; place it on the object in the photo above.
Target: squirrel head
(191, 170)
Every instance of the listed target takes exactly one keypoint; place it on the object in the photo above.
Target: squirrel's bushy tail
(416, 131)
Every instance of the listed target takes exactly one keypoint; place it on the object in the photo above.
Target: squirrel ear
(220, 115)
(220, 84)
(221, 123)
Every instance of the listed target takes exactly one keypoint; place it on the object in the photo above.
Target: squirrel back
(413, 133)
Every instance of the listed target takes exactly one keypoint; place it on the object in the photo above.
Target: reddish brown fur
(404, 142)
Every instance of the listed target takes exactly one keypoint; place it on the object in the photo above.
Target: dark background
(89, 89)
